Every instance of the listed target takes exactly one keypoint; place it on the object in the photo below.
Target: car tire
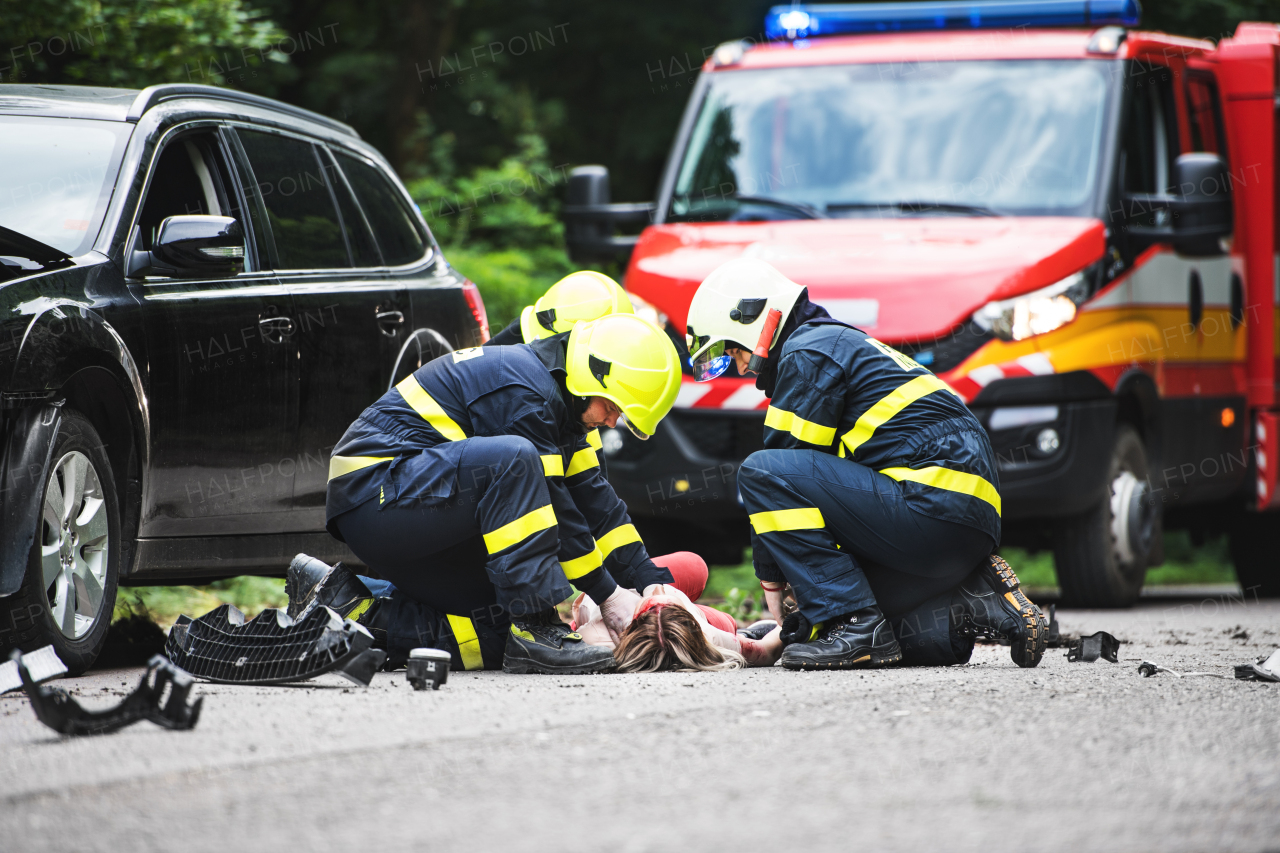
(1254, 545)
(69, 591)
(1101, 555)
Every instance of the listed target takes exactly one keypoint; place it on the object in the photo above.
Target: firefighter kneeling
(876, 495)
(471, 487)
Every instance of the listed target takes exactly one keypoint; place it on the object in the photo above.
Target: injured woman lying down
(670, 631)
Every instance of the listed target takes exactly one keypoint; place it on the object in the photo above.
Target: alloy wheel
(74, 544)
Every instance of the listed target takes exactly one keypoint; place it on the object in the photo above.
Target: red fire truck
(1071, 221)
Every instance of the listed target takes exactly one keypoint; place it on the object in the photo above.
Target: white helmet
(730, 308)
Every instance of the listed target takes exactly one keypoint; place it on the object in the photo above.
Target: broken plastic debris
(1092, 647)
(57, 710)
(271, 648)
(42, 665)
(1149, 668)
(1265, 669)
(428, 666)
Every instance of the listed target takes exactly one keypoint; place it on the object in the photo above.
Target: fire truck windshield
(930, 138)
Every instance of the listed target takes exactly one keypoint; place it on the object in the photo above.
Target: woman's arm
(762, 652)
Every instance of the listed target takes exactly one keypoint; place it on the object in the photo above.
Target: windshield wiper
(914, 207)
(795, 206)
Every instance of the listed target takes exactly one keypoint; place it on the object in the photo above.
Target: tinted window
(304, 222)
(393, 223)
(363, 249)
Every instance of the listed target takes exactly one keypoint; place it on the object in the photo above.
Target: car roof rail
(153, 95)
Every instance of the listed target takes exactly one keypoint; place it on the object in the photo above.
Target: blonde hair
(669, 637)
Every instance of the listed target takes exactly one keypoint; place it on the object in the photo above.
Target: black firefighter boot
(311, 583)
(990, 603)
(542, 643)
(861, 639)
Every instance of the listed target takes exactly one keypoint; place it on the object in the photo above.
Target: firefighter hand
(618, 610)
(773, 602)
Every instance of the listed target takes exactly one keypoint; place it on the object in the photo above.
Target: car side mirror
(1201, 205)
(591, 220)
(193, 246)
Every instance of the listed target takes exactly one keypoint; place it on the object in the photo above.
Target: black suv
(199, 291)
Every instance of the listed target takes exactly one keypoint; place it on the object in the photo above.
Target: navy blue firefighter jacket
(835, 389)
(488, 391)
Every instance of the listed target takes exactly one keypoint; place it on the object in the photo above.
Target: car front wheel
(69, 591)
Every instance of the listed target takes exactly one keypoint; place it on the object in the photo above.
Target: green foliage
(1185, 563)
(163, 604)
(130, 43)
(498, 225)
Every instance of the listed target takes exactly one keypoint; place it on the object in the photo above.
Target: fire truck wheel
(1255, 550)
(1102, 554)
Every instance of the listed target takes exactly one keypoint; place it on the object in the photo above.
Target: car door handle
(276, 329)
(389, 322)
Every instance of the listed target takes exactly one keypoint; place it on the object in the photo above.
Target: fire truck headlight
(1034, 313)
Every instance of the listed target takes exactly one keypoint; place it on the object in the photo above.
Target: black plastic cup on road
(428, 666)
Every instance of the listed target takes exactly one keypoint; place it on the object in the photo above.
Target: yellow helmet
(579, 296)
(628, 360)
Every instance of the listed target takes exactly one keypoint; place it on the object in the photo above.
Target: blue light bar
(799, 21)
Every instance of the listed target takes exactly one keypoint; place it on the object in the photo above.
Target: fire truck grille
(720, 436)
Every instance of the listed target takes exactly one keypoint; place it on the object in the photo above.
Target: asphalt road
(985, 757)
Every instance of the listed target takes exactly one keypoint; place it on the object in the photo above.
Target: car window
(393, 222)
(189, 179)
(363, 249)
(1149, 145)
(299, 203)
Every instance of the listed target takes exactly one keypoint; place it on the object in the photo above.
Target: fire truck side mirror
(591, 221)
(1201, 205)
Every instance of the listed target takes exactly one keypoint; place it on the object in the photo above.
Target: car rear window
(393, 222)
(304, 221)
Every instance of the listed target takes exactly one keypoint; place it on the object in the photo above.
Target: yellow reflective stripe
(593, 439)
(785, 421)
(464, 633)
(553, 466)
(420, 401)
(623, 534)
(520, 529)
(781, 520)
(892, 403)
(952, 481)
(359, 610)
(339, 465)
(584, 460)
(578, 567)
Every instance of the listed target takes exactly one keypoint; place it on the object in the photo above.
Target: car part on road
(1265, 669)
(272, 648)
(428, 666)
(1053, 637)
(1092, 647)
(57, 710)
(42, 665)
(1148, 668)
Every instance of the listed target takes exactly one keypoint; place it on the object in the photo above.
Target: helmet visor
(635, 430)
(711, 362)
